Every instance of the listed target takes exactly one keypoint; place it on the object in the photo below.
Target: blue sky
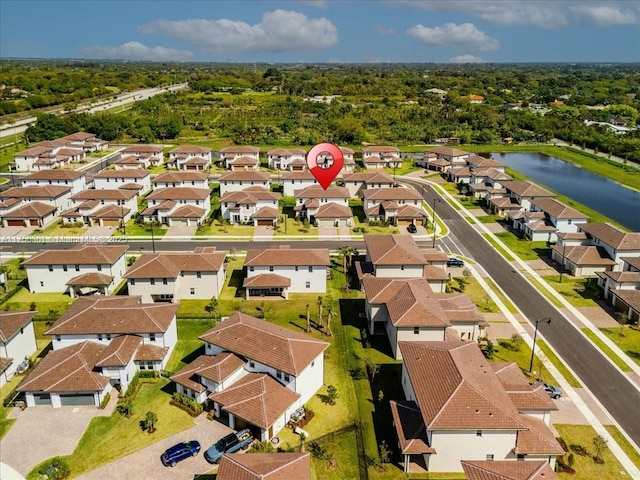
(450, 31)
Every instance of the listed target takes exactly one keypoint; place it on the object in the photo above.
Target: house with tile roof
(519, 196)
(115, 179)
(101, 207)
(485, 181)
(85, 268)
(374, 162)
(283, 369)
(253, 205)
(58, 196)
(190, 157)
(396, 206)
(445, 158)
(58, 153)
(181, 179)
(310, 199)
(298, 180)
(407, 309)
(265, 466)
(333, 215)
(356, 183)
(208, 373)
(153, 153)
(457, 409)
(73, 178)
(284, 270)
(595, 247)
(394, 256)
(284, 158)
(546, 217)
(126, 162)
(171, 277)
(178, 206)
(388, 155)
(236, 181)
(622, 288)
(506, 470)
(244, 163)
(228, 154)
(17, 342)
(33, 214)
(348, 162)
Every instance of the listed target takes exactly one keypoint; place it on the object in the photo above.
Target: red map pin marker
(325, 161)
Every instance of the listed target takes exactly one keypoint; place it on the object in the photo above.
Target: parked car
(552, 390)
(179, 452)
(411, 228)
(229, 444)
(454, 262)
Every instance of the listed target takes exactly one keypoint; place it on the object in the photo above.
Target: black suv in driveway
(455, 262)
(179, 452)
(411, 228)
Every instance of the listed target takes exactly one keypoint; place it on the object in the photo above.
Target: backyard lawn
(47, 304)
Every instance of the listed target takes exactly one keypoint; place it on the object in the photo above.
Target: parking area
(146, 463)
(43, 432)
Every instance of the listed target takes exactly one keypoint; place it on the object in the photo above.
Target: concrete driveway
(98, 231)
(180, 232)
(263, 232)
(146, 464)
(44, 432)
(16, 231)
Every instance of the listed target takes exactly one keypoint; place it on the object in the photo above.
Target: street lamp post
(434, 221)
(564, 247)
(535, 334)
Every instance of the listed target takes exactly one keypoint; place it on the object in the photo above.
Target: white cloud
(540, 13)
(279, 31)
(464, 37)
(382, 30)
(466, 59)
(137, 51)
(606, 15)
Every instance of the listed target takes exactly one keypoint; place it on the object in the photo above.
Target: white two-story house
(153, 153)
(283, 158)
(393, 256)
(546, 218)
(98, 343)
(17, 342)
(457, 408)
(396, 206)
(310, 199)
(228, 154)
(236, 181)
(243, 206)
(73, 178)
(270, 387)
(85, 268)
(181, 179)
(114, 179)
(356, 183)
(190, 157)
(101, 207)
(178, 206)
(171, 277)
(284, 270)
(298, 180)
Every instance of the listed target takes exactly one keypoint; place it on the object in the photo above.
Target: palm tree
(320, 311)
(329, 313)
(346, 252)
(308, 320)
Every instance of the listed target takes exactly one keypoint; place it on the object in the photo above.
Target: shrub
(125, 408)
(579, 449)
(54, 469)
(317, 451)
(189, 405)
(105, 401)
(262, 447)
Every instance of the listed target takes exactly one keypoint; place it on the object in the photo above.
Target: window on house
(271, 268)
(252, 364)
(192, 291)
(152, 281)
(520, 457)
(165, 281)
(489, 456)
(296, 268)
(198, 274)
(99, 268)
(478, 433)
(57, 338)
(41, 283)
(313, 363)
(99, 336)
(152, 337)
(21, 330)
(310, 268)
(77, 268)
(308, 285)
(251, 269)
(51, 268)
(401, 267)
(132, 281)
(416, 330)
(64, 268)
(278, 374)
(108, 336)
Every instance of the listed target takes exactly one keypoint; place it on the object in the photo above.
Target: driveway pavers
(145, 464)
(44, 432)
(181, 231)
(263, 232)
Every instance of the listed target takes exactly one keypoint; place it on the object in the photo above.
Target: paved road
(612, 388)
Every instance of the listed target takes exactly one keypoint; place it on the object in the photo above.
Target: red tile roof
(80, 254)
(265, 466)
(120, 351)
(284, 256)
(393, 250)
(410, 427)
(216, 368)
(508, 470)
(11, 322)
(170, 265)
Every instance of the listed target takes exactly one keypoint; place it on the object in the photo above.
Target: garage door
(179, 222)
(326, 223)
(78, 399)
(15, 223)
(404, 222)
(42, 399)
(265, 222)
(111, 223)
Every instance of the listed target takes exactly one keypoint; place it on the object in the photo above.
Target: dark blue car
(179, 452)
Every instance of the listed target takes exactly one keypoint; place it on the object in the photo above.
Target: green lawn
(510, 352)
(507, 256)
(189, 346)
(294, 228)
(217, 228)
(6, 423)
(525, 249)
(45, 303)
(586, 468)
(627, 338)
(632, 453)
(575, 290)
(109, 438)
(58, 229)
(510, 306)
(140, 230)
(607, 351)
(480, 297)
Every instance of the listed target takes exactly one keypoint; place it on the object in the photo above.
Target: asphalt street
(613, 389)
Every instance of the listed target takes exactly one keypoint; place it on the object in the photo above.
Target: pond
(592, 190)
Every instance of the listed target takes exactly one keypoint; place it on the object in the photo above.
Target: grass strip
(606, 350)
